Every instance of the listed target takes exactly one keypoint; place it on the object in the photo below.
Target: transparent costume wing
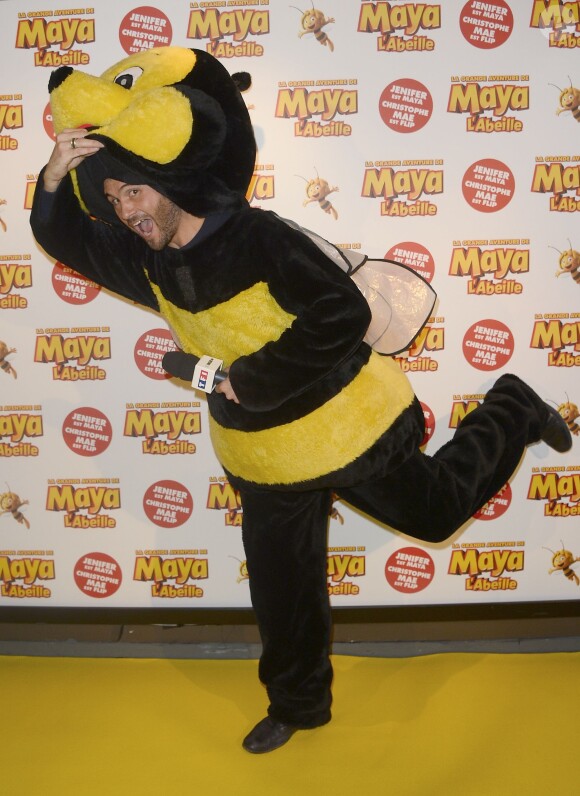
(401, 301)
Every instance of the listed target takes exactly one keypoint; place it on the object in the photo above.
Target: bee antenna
(555, 86)
(301, 177)
(297, 9)
(552, 402)
(549, 550)
(555, 249)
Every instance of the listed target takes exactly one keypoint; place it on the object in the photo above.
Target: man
(307, 408)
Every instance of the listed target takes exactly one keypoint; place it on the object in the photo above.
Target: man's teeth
(144, 225)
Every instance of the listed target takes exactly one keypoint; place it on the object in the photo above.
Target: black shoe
(556, 433)
(267, 735)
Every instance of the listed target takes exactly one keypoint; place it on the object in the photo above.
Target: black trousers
(427, 497)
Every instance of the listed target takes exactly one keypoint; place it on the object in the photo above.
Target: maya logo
(557, 335)
(560, 179)
(63, 33)
(402, 189)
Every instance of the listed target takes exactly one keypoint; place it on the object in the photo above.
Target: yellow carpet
(437, 725)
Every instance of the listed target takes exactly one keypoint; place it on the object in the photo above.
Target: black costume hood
(170, 117)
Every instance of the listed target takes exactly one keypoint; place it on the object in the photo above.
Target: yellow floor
(437, 725)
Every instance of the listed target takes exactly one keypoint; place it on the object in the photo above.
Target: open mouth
(143, 227)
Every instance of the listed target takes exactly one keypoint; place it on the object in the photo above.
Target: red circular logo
(149, 351)
(497, 506)
(488, 345)
(47, 122)
(486, 25)
(168, 504)
(98, 575)
(87, 431)
(409, 570)
(429, 423)
(405, 105)
(488, 185)
(72, 287)
(144, 28)
(414, 256)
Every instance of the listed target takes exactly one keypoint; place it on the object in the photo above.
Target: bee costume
(320, 411)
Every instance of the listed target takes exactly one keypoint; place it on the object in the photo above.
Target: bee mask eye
(127, 78)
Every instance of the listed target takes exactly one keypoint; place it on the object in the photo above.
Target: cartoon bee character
(562, 561)
(569, 263)
(312, 22)
(4, 364)
(2, 222)
(317, 190)
(10, 503)
(243, 570)
(334, 513)
(570, 413)
(569, 101)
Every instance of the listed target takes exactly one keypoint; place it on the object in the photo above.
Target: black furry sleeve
(97, 250)
(332, 318)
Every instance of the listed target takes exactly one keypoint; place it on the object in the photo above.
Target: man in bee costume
(144, 193)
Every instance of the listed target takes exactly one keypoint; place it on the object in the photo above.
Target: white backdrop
(442, 136)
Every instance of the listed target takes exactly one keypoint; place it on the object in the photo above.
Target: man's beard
(166, 219)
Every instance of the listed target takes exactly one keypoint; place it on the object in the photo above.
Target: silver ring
(73, 143)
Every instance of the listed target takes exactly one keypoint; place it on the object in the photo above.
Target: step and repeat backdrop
(444, 135)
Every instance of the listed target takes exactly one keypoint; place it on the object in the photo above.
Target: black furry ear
(243, 80)
(58, 76)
